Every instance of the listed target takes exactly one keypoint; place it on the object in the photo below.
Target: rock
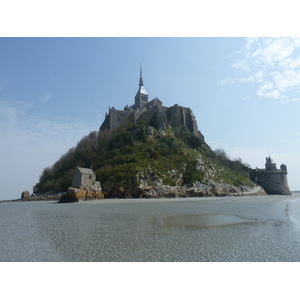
(75, 195)
(149, 130)
(72, 195)
(150, 184)
(25, 194)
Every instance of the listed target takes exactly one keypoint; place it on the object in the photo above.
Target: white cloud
(290, 63)
(247, 98)
(268, 91)
(273, 50)
(249, 42)
(274, 94)
(248, 79)
(265, 88)
(288, 100)
(241, 65)
(226, 81)
(286, 80)
(273, 64)
(259, 76)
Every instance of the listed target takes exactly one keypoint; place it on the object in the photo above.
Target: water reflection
(209, 220)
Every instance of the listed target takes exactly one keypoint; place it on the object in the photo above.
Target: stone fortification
(153, 111)
(183, 116)
(272, 180)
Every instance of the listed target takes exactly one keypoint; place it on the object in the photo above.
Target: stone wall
(176, 116)
(114, 117)
(271, 179)
(273, 182)
(179, 115)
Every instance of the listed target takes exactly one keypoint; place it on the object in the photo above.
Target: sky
(244, 93)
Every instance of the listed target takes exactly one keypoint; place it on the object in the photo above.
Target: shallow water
(202, 221)
(197, 229)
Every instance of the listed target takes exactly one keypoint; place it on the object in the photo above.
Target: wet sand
(261, 228)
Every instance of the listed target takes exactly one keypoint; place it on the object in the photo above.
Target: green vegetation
(117, 156)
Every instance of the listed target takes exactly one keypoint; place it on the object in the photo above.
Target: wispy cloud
(226, 81)
(30, 143)
(273, 65)
(267, 90)
(241, 65)
(248, 79)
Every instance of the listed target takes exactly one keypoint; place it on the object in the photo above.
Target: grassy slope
(117, 157)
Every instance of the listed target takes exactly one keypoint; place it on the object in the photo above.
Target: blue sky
(53, 91)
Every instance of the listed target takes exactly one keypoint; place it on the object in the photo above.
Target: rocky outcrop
(35, 198)
(149, 184)
(197, 190)
(158, 190)
(75, 195)
(25, 195)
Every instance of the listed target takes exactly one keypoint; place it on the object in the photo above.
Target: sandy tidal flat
(261, 228)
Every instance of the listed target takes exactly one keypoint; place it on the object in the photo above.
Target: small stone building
(84, 178)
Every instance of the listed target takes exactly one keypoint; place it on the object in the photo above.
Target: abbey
(271, 179)
(153, 111)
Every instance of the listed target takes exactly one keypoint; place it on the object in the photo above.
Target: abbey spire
(141, 76)
(141, 97)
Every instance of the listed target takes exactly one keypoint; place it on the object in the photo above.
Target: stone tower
(270, 165)
(272, 180)
(141, 97)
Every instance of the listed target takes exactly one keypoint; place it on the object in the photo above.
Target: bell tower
(141, 97)
(270, 165)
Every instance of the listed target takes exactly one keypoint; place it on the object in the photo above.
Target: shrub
(154, 154)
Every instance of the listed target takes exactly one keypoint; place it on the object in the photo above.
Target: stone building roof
(86, 171)
(141, 90)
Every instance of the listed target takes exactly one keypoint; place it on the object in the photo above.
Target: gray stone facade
(114, 117)
(84, 178)
(272, 180)
(179, 115)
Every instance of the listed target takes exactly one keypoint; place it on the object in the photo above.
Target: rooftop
(86, 171)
